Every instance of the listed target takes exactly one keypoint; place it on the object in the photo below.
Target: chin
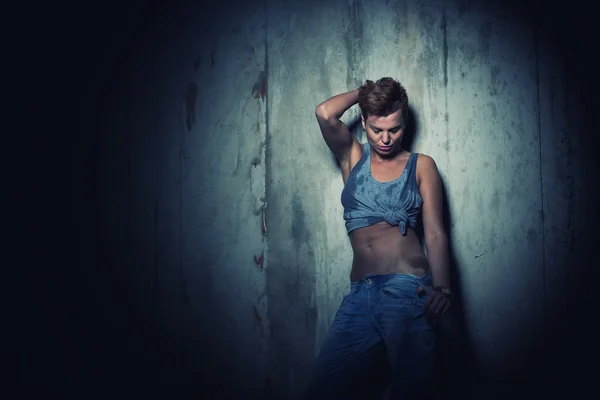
(390, 153)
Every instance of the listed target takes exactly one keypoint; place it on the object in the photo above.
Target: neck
(387, 158)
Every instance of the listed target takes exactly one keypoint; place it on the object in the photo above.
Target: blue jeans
(379, 343)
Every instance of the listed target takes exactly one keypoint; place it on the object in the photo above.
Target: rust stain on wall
(263, 222)
(257, 314)
(260, 261)
(260, 87)
(190, 105)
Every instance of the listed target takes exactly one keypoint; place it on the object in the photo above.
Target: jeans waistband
(382, 278)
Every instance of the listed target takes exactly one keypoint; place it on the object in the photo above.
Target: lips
(384, 148)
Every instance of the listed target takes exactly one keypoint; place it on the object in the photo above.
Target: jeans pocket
(351, 296)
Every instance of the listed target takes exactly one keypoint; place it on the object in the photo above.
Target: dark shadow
(456, 364)
(410, 131)
(456, 361)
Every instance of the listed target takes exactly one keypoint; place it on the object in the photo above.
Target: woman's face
(385, 133)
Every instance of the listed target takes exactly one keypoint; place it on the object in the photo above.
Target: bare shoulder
(425, 161)
(426, 168)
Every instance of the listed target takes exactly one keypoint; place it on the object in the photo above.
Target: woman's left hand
(436, 303)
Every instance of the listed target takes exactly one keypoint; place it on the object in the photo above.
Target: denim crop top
(367, 201)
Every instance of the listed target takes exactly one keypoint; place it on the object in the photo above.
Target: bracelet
(445, 291)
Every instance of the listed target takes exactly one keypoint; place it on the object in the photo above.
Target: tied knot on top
(397, 218)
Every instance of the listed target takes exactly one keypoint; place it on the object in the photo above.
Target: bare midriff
(382, 249)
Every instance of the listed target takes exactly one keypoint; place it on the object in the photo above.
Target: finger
(436, 305)
(442, 303)
(431, 314)
(443, 306)
(427, 304)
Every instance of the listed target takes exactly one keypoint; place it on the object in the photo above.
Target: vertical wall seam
(354, 50)
(267, 161)
(155, 256)
(358, 73)
(539, 126)
(182, 297)
(446, 114)
(569, 181)
(356, 45)
(444, 30)
(267, 196)
(155, 287)
(266, 97)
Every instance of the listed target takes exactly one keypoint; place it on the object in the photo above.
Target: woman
(382, 337)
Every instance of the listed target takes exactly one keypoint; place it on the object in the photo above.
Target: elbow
(321, 112)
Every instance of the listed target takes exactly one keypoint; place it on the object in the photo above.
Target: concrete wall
(209, 244)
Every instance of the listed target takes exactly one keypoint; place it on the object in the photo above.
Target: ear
(362, 119)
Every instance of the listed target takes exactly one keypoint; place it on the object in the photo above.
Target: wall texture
(208, 242)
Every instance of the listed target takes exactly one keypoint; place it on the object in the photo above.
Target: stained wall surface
(210, 244)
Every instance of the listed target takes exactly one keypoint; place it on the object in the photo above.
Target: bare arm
(336, 134)
(436, 239)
